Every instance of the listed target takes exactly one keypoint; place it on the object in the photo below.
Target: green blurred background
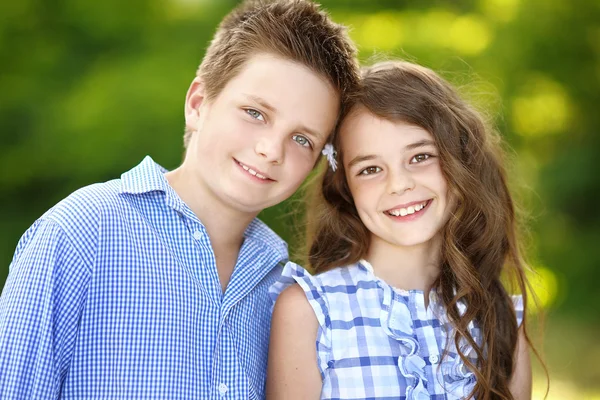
(87, 89)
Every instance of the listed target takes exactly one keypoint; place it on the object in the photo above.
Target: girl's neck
(410, 268)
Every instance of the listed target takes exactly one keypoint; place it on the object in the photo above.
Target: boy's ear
(193, 100)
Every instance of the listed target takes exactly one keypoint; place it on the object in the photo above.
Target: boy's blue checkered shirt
(378, 342)
(114, 294)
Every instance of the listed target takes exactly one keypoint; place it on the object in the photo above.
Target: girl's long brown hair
(480, 249)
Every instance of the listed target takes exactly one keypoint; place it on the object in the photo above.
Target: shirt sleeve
(39, 313)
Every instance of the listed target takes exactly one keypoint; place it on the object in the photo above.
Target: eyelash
(250, 112)
(366, 171)
(308, 144)
(373, 169)
(426, 155)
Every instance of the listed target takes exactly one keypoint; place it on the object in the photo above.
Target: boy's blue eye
(255, 114)
(370, 171)
(301, 140)
(420, 158)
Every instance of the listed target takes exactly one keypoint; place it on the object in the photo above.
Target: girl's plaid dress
(378, 342)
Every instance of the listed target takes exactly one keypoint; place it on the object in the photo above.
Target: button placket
(223, 389)
(197, 235)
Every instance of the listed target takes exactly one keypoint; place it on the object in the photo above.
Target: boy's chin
(248, 204)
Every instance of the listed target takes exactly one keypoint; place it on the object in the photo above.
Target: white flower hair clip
(330, 153)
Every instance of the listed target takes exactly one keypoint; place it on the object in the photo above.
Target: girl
(413, 239)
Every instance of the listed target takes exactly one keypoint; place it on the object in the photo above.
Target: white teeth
(253, 172)
(406, 211)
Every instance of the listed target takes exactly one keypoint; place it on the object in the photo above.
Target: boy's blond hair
(296, 30)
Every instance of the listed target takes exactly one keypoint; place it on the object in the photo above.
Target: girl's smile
(409, 211)
(396, 180)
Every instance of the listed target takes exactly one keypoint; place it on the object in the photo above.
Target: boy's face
(258, 139)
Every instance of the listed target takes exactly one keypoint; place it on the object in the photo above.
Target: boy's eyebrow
(313, 133)
(262, 102)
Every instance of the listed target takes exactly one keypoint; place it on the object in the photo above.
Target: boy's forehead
(264, 68)
(286, 89)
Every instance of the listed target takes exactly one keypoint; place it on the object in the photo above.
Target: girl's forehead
(364, 129)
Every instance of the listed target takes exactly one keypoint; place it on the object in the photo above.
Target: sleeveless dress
(378, 342)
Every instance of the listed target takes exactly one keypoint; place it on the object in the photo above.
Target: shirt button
(434, 359)
(223, 389)
(197, 235)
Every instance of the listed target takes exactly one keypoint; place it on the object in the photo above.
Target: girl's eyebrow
(361, 158)
(420, 143)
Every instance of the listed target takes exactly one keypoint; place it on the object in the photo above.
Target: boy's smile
(257, 140)
(254, 172)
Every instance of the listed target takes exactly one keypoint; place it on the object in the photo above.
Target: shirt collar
(148, 176)
(259, 231)
(364, 264)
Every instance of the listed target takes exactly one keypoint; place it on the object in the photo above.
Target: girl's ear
(193, 100)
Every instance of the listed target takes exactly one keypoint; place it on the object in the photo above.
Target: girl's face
(394, 175)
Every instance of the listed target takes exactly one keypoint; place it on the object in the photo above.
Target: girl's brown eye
(370, 171)
(420, 158)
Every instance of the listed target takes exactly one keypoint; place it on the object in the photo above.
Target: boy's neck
(225, 225)
(412, 267)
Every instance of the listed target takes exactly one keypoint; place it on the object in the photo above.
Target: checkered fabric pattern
(378, 342)
(114, 294)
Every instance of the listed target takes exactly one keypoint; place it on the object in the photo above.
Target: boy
(155, 285)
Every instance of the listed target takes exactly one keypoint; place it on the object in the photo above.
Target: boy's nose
(270, 148)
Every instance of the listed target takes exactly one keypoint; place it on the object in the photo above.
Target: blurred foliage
(88, 88)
